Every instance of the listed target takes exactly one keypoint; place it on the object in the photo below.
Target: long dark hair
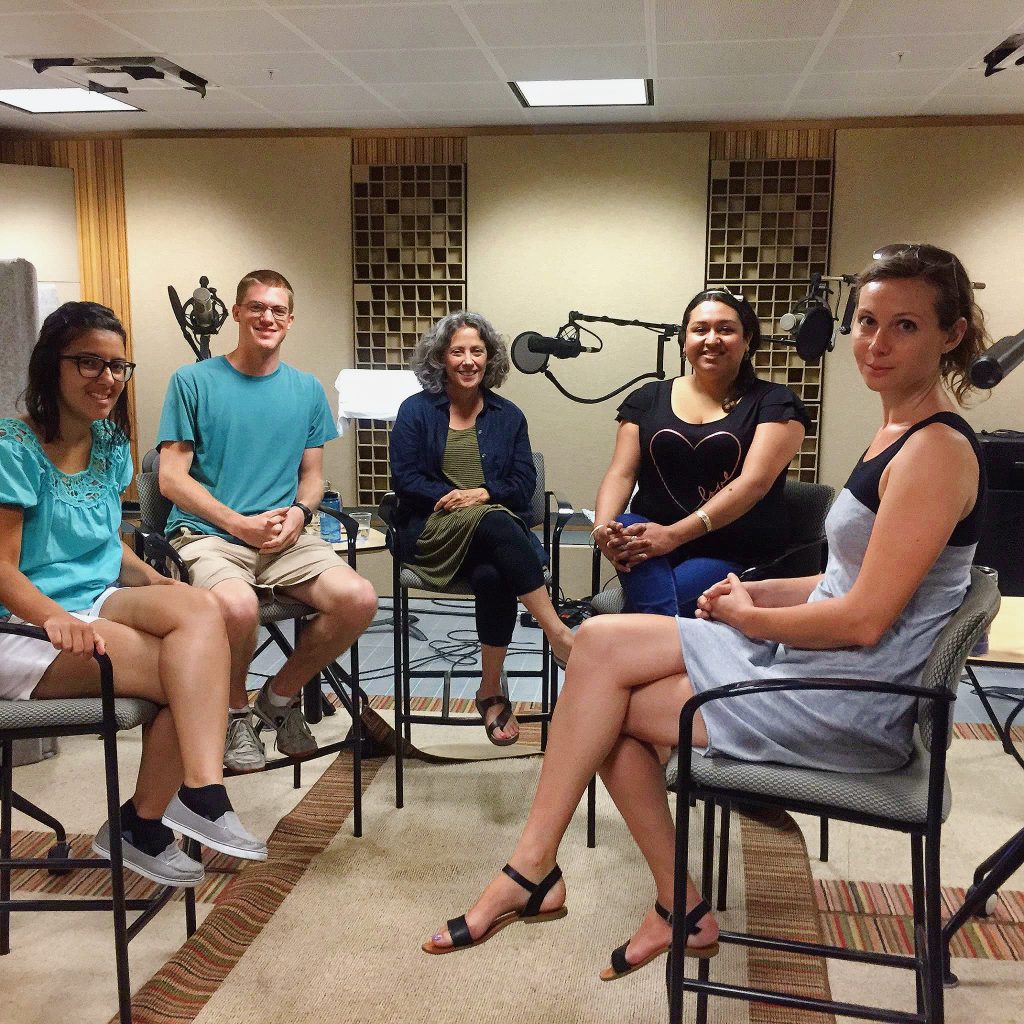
(59, 329)
(954, 298)
(746, 378)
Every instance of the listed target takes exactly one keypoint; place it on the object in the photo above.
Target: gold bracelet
(704, 518)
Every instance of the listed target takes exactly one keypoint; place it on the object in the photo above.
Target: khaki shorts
(212, 559)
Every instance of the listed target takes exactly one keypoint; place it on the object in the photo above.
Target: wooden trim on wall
(471, 131)
(409, 149)
(100, 212)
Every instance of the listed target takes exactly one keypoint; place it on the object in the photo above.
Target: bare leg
(240, 607)
(613, 658)
(168, 646)
(491, 661)
(538, 604)
(634, 776)
(346, 603)
(160, 770)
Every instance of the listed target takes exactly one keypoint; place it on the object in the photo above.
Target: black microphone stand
(1002, 359)
(664, 332)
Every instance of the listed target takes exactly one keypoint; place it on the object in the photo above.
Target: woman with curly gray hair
(462, 467)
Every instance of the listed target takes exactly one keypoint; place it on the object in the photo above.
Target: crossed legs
(624, 687)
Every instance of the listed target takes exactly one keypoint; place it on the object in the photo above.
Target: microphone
(560, 348)
(1001, 359)
(846, 324)
(203, 316)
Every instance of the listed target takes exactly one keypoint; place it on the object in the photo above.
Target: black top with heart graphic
(682, 465)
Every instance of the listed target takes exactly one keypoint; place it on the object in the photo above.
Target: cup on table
(363, 519)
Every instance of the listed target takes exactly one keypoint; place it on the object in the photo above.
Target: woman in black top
(708, 453)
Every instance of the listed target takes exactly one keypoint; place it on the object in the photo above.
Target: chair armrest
(564, 511)
(351, 528)
(106, 668)
(158, 552)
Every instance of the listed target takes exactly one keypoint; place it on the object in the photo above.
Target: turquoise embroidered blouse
(70, 548)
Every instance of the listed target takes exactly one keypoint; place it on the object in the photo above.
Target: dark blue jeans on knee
(670, 584)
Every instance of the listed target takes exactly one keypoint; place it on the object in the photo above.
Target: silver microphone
(202, 309)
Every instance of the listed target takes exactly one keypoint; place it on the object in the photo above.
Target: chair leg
(357, 743)
(723, 859)
(918, 896)
(6, 792)
(399, 620)
(19, 803)
(592, 814)
(935, 993)
(124, 992)
(823, 839)
(192, 849)
(708, 863)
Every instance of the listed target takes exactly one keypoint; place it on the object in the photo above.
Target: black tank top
(867, 475)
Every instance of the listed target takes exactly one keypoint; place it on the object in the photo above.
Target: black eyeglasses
(92, 367)
(279, 313)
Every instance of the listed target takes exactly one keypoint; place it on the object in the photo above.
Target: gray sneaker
(226, 835)
(293, 736)
(172, 867)
(243, 749)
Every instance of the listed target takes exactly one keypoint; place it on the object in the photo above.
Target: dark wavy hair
(954, 298)
(746, 378)
(59, 329)
(428, 359)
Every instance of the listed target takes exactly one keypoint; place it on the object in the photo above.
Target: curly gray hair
(428, 359)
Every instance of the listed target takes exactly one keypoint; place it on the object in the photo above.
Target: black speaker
(1002, 535)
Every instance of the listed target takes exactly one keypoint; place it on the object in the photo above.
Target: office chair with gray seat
(154, 547)
(104, 716)
(406, 578)
(914, 799)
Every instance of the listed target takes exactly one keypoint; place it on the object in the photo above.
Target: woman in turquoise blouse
(63, 567)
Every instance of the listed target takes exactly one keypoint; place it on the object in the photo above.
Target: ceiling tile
(63, 34)
(376, 28)
(870, 18)
(569, 61)
(178, 103)
(877, 84)
(443, 95)
(248, 31)
(16, 76)
(746, 57)
(458, 117)
(853, 106)
(308, 68)
(309, 98)
(741, 19)
(573, 22)
(722, 89)
(952, 103)
(465, 65)
(1003, 83)
(31, 6)
(879, 53)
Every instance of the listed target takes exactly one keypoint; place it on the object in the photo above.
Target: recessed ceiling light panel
(596, 92)
(61, 101)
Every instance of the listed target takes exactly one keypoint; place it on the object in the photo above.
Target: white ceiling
(283, 64)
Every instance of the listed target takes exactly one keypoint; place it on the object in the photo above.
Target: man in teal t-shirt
(241, 442)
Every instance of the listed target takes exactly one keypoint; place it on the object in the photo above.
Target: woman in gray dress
(901, 540)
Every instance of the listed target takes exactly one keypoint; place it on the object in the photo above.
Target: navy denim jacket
(418, 441)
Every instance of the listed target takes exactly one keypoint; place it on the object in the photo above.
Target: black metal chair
(545, 508)
(914, 799)
(105, 716)
(807, 505)
(154, 547)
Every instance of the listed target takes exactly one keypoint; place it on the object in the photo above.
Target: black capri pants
(500, 565)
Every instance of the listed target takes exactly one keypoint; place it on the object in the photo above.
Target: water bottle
(330, 528)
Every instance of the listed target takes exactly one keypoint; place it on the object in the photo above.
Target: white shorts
(23, 659)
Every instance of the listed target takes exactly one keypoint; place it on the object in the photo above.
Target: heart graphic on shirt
(721, 453)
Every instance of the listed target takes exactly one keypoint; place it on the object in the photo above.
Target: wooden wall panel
(99, 205)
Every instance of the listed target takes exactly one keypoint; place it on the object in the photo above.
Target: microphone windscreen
(524, 359)
(814, 336)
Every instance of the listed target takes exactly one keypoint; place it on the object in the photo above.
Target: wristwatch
(307, 515)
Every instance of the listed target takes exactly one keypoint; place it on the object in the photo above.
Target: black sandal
(458, 929)
(500, 720)
(621, 966)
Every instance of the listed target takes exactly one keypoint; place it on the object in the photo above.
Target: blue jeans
(670, 584)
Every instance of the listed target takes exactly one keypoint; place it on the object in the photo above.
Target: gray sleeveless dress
(833, 730)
